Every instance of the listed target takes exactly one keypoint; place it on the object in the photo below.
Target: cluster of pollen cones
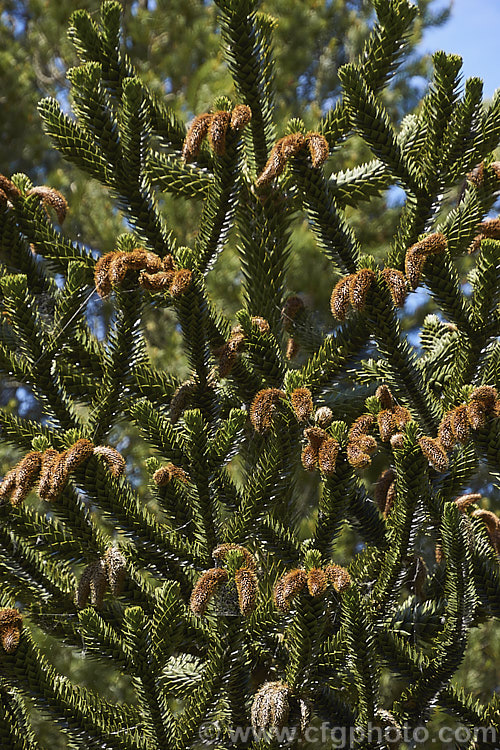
(215, 125)
(155, 274)
(456, 425)
(109, 571)
(51, 470)
(245, 580)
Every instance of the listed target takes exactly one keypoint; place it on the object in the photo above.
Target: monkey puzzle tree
(222, 599)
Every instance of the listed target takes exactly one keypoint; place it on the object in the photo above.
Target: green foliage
(251, 453)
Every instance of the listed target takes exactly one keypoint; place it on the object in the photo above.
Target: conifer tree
(223, 600)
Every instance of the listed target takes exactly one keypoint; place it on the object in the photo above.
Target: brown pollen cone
(416, 255)
(8, 187)
(26, 474)
(401, 416)
(98, 583)
(414, 263)
(367, 443)
(292, 144)
(391, 497)
(236, 342)
(491, 230)
(11, 623)
(263, 408)
(274, 166)
(433, 244)
(118, 268)
(359, 287)
(327, 456)
(492, 523)
(114, 459)
(227, 360)
(261, 324)
(288, 587)
(166, 473)
(162, 476)
(78, 453)
(195, 135)
(475, 244)
(292, 348)
(92, 585)
(8, 484)
(283, 149)
(302, 403)
(167, 263)
(181, 282)
(460, 423)
(83, 589)
(308, 457)
(386, 424)
(464, 501)
(356, 455)
(156, 282)
(339, 577)
(101, 275)
(397, 441)
(323, 416)
(53, 198)
(495, 168)
(340, 299)
(206, 588)
(59, 474)
(434, 453)
(181, 399)
(476, 414)
(115, 568)
(318, 148)
(382, 487)
(49, 458)
(271, 708)
(317, 581)
(217, 130)
(476, 175)
(316, 436)
(446, 435)
(487, 395)
(247, 587)
(135, 260)
(397, 285)
(240, 116)
(384, 395)
(361, 426)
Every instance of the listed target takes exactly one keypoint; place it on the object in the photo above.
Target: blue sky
(472, 32)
